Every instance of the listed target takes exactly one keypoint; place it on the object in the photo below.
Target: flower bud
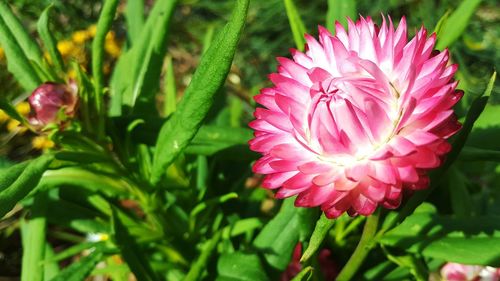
(52, 103)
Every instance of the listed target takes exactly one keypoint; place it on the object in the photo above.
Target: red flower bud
(52, 103)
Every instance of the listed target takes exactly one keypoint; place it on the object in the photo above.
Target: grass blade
(296, 24)
(338, 10)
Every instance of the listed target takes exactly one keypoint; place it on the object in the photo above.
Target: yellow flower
(80, 36)
(92, 30)
(15, 126)
(2, 54)
(42, 143)
(65, 47)
(23, 108)
(112, 48)
(3, 116)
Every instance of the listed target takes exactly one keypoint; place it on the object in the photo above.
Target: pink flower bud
(52, 103)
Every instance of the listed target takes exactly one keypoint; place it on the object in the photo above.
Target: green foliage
(276, 244)
(339, 10)
(210, 75)
(454, 25)
(296, 24)
(137, 71)
(240, 267)
(471, 240)
(171, 184)
(48, 39)
(19, 180)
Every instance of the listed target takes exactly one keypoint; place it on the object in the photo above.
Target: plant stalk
(361, 252)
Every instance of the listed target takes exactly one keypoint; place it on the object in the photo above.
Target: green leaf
(48, 39)
(138, 70)
(134, 17)
(200, 264)
(34, 242)
(304, 275)
(26, 181)
(130, 251)
(212, 139)
(323, 225)
(473, 114)
(170, 102)
(25, 40)
(72, 251)
(7, 107)
(177, 132)
(276, 244)
(478, 154)
(103, 26)
(51, 268)
(461, 200)
(453, 27)
(471, 240)
(17, 62)
(79, 270)
(296, 24)
(240, 267)
(9, 175)
(338, 10)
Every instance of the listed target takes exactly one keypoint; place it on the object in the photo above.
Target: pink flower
(52, 103)
(461, 272)
(357, 119)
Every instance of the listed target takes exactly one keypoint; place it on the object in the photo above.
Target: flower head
(52, 103)
(356, 119)
(461, 272)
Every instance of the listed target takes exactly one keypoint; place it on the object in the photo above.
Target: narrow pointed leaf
(48, 39)
(177, 132)
(23, 38)
(453, 27)
(339, 10)
(131, 252)
(296, 24)
(323, 225)
(79, 270)
(28, 179)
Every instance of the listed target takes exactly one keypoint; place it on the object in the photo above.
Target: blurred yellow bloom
(112, 48)
(23, 108)
(92, 30)
(15, 126)
(2, 54)
(3, 116)
(80, 36)
(42, 143)
(65, 47)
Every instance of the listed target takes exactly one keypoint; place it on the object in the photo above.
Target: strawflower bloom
(461, 272)
(53, 103)
(357, 119)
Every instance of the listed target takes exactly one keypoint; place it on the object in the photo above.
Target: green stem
(103, 26)
(361, 252)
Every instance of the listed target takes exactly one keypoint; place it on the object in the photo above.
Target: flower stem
(364, 246)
